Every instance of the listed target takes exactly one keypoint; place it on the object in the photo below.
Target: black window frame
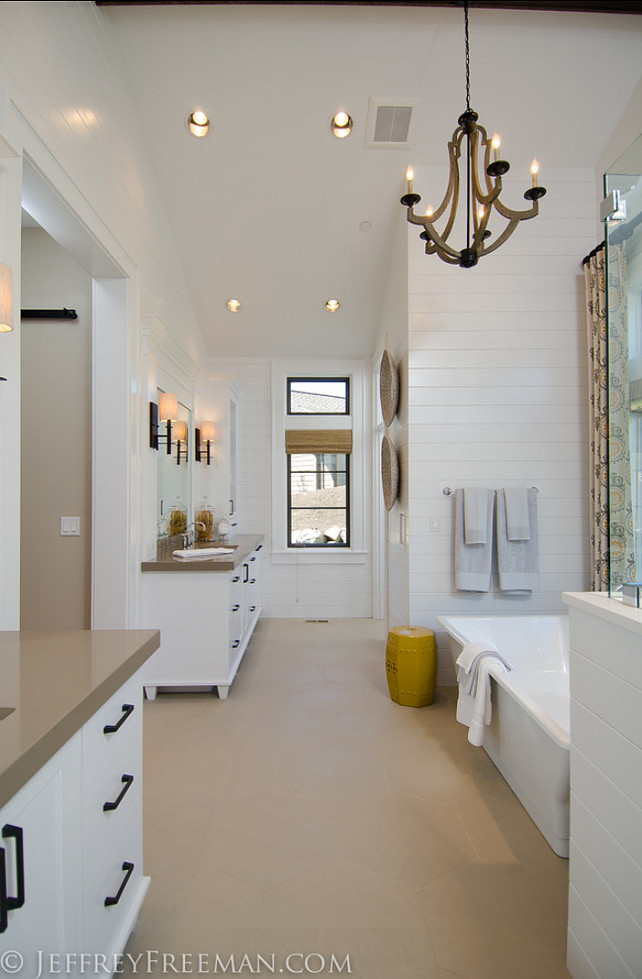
(317, 380)
(320, 545)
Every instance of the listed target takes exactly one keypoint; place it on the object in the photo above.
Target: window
(318, 495)
(318, 396)
(319, 499)
(318, 463)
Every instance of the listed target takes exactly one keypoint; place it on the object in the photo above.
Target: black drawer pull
(259, 547)
(127, 709)
(15, 832)
(253, 558)
(237, 642)
(4, 910)
(129, 868)
(252, 581)
(235, 608)
(252, 608)
(234, 580)
(127, 781)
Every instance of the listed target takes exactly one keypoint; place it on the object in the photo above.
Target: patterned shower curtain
(611, 536)
(595, 285)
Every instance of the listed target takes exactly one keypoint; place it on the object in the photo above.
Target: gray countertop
(55, 681)
(243, 546)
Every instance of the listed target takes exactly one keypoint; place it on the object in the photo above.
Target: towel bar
(447, 491)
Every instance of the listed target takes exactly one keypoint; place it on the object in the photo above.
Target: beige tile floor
(309, 815)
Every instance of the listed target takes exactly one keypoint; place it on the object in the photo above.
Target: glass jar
(177, 518)
(205, 516)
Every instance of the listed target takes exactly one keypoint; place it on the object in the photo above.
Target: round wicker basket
(388, 388)
(389, 472)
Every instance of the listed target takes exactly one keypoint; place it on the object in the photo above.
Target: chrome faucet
(189, 539)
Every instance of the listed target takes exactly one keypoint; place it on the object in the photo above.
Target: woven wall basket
(388, 388)
(389, 472)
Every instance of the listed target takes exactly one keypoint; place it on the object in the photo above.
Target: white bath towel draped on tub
(474, 707)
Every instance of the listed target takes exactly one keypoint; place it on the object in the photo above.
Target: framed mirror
(175, 475)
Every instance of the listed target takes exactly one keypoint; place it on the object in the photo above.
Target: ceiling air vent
(389, 123)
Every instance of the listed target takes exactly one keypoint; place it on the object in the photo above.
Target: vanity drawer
(118, 879)
(121, 791)
(113, 732)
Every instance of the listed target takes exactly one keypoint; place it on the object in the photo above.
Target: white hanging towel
(518, 524)
(476, 522)
(517, 560)
(474, 707)
(473, 561)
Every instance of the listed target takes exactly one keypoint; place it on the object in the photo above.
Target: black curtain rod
(48, 314)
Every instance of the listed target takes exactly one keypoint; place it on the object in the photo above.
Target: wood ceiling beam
(586, 7)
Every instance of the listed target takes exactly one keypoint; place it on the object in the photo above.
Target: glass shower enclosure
(623, 237)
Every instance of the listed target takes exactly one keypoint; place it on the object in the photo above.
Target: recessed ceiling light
(198, 123)
(332, 305)
(341, 124)
(234, 305)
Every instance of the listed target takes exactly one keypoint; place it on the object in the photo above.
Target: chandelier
(471, 139)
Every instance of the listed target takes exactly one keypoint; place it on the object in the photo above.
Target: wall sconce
(204, 436)
(165, 411)
(180, 434)
(6, 299)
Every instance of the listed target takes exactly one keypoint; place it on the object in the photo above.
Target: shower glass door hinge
(613, 207)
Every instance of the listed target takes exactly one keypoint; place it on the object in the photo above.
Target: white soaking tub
(528, 738)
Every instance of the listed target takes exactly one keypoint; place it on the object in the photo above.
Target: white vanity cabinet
(206, 612)
(112, 830)
(40, 828)
(71, 876)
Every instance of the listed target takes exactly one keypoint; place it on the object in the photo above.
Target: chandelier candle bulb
(496, 143)
(410, 174)
(535, 171)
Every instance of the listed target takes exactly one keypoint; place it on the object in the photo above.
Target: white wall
(292, 589)
(497, 391)
(65, 107)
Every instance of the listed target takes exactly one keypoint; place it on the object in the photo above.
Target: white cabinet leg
(150, 692)
(223, 690)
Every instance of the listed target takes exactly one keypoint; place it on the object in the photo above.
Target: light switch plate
(70, 526)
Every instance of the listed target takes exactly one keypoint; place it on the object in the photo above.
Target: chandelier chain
(467, 54)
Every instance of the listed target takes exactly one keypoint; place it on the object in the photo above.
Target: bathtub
(528, 738)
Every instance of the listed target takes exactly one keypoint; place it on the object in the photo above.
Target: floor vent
(388, 123)
(316, 621)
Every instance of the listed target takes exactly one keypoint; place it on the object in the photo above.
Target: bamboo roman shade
(318, 441)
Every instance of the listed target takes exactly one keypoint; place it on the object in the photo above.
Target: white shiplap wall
(289, 590)
(497, 395)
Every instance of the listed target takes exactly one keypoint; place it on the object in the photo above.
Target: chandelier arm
(505, 235)
(435, 237)
(512, 215)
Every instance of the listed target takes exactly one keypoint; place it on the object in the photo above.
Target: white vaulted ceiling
(269, 206)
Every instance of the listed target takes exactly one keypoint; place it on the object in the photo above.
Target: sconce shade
(6, 299)
(207, 431)
(167, 406)
(179, 431)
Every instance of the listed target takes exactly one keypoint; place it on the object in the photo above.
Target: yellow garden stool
(411, 665)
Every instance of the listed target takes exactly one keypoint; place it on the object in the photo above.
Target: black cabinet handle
(237, 578)
(237, 642)
(128, 781)
(231, 508)
(127, 709)
(252, 581)
(235, 608)
(247, 573)
(15, 833)
(259, 547)
(4, 910)
(253, 558)
(129, 870)
(252, 608)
